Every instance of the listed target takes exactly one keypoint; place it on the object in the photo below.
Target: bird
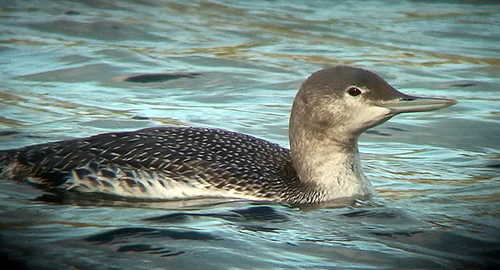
(332, 108)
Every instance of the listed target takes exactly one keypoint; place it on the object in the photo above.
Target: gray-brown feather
(142, 160)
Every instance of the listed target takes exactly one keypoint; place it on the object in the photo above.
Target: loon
(330, 111)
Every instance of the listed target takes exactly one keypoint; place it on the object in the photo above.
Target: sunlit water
(237, 65)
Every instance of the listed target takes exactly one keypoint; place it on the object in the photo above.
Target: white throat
(333, 170)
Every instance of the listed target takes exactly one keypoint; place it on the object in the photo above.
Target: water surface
(77, 68)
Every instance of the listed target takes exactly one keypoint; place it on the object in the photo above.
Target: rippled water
(237, 65)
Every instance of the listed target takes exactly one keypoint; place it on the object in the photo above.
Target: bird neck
(327, 161)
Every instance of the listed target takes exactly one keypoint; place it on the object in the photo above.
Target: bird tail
(6, 163)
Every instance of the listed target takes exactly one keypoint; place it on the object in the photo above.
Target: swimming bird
(330, 111)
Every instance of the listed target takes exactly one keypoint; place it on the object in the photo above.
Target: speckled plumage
(154, 162)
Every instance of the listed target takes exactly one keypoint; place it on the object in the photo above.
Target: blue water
(63, 70)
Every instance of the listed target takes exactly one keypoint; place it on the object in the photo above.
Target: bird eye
(354, 91)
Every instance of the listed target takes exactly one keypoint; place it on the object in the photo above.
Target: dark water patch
(124, 234)
(371, 213)
(382, 215)
(140, 117)
(8, 132)
(159, 77)
(396, 234)
(464, 84)
(358, 213)
(493, 166)
(8, 262)
(397, 129)
(144, 248)
(261, 213)
(376, 132)
(137, 248)
(259, 228)
(250, 214)
(247, 219)
(72, 12)
(51, 198)
(172, 218)
(455, 247)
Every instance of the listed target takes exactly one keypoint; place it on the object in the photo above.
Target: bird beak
(407, 104)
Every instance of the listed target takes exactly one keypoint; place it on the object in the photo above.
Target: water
(237, 65)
